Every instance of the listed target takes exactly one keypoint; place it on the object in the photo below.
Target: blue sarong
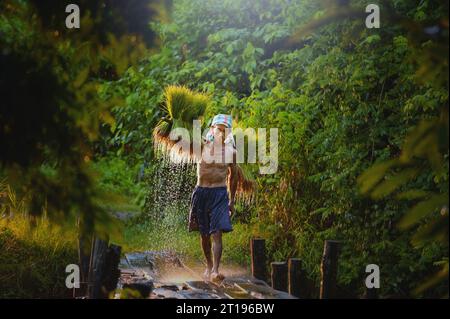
(209, 210)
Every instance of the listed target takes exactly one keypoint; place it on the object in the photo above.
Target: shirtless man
(211, 206)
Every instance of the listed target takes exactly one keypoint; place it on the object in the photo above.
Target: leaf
(412, 194)
(229, 49)
(249, 50)
(433, 231)
(388, 186)
(81, 77)
(423, 209)
(417, 135)
(373, 175)
(260, 50)
(371, 39)
(433, 280)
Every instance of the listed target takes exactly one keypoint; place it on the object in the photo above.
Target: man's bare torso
(213, 174)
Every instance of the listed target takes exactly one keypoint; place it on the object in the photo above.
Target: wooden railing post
(371, 293)
(258, 256)
(295, 277)
(329, 269)
(84, 255)
(98, 255)
(84, 251)
(111, 271)
(279, 275)
(103, 269)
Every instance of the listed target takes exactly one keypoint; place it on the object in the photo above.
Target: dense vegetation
(344, 98)
(34, 259)
(50, 114)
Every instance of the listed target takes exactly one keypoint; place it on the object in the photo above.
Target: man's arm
(233, 180)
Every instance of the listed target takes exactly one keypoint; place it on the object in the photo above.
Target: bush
(33, 258)
(119, 179)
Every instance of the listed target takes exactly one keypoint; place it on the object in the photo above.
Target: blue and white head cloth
(222, 119)
(225, 120)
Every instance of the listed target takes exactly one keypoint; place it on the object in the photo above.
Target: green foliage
(137, 98)
(423, 155)
(119, 179)
(51, 111)
(419, 174)
(33, 259)
(344, 98)
(171, 234)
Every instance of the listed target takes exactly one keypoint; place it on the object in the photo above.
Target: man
(211, 206)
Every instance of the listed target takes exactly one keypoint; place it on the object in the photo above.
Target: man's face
(219, 132)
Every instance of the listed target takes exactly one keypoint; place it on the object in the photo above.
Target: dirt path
(162, 274)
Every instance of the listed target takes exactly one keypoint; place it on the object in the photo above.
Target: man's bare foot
(207, 274)
(216, 276)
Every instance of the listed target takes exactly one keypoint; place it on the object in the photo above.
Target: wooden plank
(137, 290)
(237, 293)
(206, 286)
(198, 294)
(202, 285)
(258, 282)
(138, 259)
(262, 292)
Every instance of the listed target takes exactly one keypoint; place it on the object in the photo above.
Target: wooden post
(279, 275)
(84, 252)
(295, 277)
(84, 245)
(258, 255)
(371, 293)
(84, 255)
(96, 265)
(328, 269)
(111, 271)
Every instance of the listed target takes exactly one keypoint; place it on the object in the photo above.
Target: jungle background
(362, 117)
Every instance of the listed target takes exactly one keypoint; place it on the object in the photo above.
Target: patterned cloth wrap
(221, 119)
(209, 210)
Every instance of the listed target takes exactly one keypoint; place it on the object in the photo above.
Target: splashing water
(167, 204)
(168, 201)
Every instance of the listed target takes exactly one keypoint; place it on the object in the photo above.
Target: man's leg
(217, 254)
(206, 246)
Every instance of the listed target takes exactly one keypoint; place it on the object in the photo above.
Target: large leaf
(374, 175)
(389, 185)
(423, 209)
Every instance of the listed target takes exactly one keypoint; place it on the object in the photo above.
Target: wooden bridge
(162, 274)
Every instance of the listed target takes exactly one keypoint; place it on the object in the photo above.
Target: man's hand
(231, 205)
